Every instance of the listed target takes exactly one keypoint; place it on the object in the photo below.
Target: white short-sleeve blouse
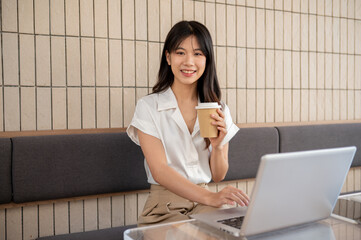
(158, 115)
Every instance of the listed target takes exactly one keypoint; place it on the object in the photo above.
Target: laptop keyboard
(235, 222)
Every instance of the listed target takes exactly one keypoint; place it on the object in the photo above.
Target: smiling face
(187, 61)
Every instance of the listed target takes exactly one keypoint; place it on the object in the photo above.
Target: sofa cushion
(115, 233)
(62, 166)
(308, 137)
(246, 149)
(5, 170)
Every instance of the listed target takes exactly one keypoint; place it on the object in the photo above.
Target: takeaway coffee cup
(204, 111)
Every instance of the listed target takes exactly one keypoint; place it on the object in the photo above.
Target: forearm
(176, 183)
(167, 176)
(219, 163)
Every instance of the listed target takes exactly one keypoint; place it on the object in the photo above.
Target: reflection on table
(328, 229)
(349, 206)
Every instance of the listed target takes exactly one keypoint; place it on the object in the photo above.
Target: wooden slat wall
(26, 222)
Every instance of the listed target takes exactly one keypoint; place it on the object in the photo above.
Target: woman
(178, 161)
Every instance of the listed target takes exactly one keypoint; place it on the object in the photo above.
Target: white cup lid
(208, 105)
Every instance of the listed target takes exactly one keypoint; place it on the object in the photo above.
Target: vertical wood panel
(350, 209)
(72, 17)
(250, 184)
(74, 108)
(260, 106)
(42, 60)
(128, 19)
(2, 224)
(101, 62)
(10, 58)
(88, 106)
(115, 63)
(251, 68)
(61, 218)
(118, 211)
(58, 77)
(279, 105)
(76, 216)
(141, 19)
(87, 62)
(212, 187)
(251, 105)
(343, 207)
(27, 65)
(9, 18)
(231, 68)
(221, 65)
(129, 107)
(90, 214)
(287, 100)
(241, 26)
(114, 11)
(357, 179)
(28, 108)
(131, 214)
(101, 18)
(188, 12)
(86, 18)
(231, 24)
(13, 223)
(102, 107)
(153, 20)
(153, 61)
(73, 61)
(177, 11)
(11, 109)
(165, 18)
(104, 211)
(30, 222)
(141, 69)
(336, 209)
(57, 17)
(270, 105)
(59, 108)
(46, 220)
(43, 106)
(242, 185)
(116, 107)
(350, 181)
(142, 198)
(129, 63)
(232, 102)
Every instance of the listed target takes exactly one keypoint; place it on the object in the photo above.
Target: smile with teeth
(188, 71)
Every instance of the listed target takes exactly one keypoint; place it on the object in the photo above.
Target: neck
(185, 92)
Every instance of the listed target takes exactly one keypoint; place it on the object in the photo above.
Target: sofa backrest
(5, 170)
(309, 137)
(62, 166)
(246, 149)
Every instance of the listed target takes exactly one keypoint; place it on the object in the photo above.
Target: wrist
(208, 198)
(218, 148)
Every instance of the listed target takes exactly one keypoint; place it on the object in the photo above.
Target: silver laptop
(290, 189)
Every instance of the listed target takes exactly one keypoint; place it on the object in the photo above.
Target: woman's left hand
(221, 126)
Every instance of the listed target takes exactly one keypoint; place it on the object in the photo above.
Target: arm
(166, 176)
(219, 155)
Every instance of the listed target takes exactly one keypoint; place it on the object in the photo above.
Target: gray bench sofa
(46, 168)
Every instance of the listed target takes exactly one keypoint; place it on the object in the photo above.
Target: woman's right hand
(228, 195)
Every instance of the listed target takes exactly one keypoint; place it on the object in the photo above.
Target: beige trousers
(163, 206)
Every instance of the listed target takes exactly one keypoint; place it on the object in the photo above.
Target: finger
(220, 113)
(222, 129)
(238, 200)
(243, 198)
(217, 117)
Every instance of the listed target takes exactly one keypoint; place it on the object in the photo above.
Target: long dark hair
(207, 85)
